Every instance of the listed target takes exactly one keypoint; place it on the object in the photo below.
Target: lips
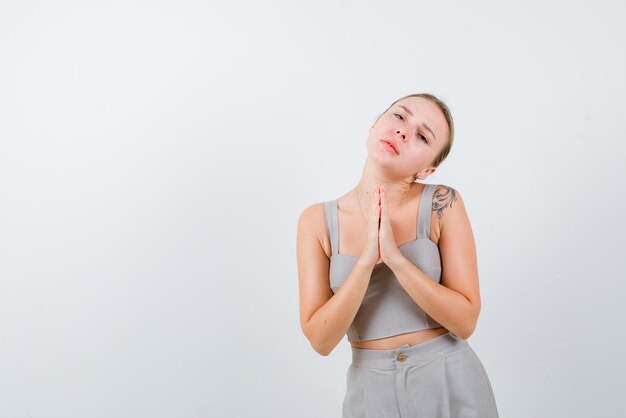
(393, 144)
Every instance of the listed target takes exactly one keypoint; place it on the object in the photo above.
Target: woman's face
(418, 130)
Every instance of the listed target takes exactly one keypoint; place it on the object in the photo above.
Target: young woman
(375, 264)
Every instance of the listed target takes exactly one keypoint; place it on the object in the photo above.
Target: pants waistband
(408, 354)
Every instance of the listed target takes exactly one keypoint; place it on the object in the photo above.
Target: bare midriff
(411, 338)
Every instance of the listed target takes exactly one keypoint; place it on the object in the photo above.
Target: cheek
(421, 156)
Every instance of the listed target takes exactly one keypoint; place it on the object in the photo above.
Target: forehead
(428, 112)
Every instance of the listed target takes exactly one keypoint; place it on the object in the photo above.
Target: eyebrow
(423, 124)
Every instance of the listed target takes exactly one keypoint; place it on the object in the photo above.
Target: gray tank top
(387, 309)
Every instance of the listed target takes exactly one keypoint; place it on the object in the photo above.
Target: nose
(403, 136)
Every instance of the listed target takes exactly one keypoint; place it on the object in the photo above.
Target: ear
(423, 174)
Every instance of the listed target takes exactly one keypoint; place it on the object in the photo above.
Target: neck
(396, 191)
(396, 188)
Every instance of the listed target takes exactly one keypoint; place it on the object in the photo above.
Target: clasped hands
(381, 244)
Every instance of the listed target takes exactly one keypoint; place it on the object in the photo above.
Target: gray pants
(439, 378)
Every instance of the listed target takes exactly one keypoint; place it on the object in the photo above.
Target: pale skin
(377, 215)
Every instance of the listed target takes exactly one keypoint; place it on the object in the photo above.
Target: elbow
(320, 346)
(464, 335)
(322, 350)
(467, 331)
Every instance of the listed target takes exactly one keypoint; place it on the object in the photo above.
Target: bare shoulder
(446, 201)
(312, 227)
(445, 198)
(450, 210)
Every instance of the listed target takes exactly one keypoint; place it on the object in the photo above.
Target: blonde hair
(446, 113)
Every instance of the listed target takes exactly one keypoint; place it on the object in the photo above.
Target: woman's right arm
(325, 317)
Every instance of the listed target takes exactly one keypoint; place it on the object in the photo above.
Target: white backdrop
(155, 158)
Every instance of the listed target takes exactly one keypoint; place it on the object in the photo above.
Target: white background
(155, 158)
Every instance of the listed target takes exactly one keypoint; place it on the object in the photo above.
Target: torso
(352, 236)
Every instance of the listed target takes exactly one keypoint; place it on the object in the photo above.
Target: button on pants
(439, 378)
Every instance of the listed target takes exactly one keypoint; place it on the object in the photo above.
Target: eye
(419, 136)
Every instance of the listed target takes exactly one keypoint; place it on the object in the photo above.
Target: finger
(379, 209)
(377, 196)
(383, 201)
(386, 209)
(375, 213)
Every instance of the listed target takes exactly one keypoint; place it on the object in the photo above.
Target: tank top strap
(330, 211)
(425, 210)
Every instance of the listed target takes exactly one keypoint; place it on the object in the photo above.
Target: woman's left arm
(455, 303)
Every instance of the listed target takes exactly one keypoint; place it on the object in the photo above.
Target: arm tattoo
(444, 196)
